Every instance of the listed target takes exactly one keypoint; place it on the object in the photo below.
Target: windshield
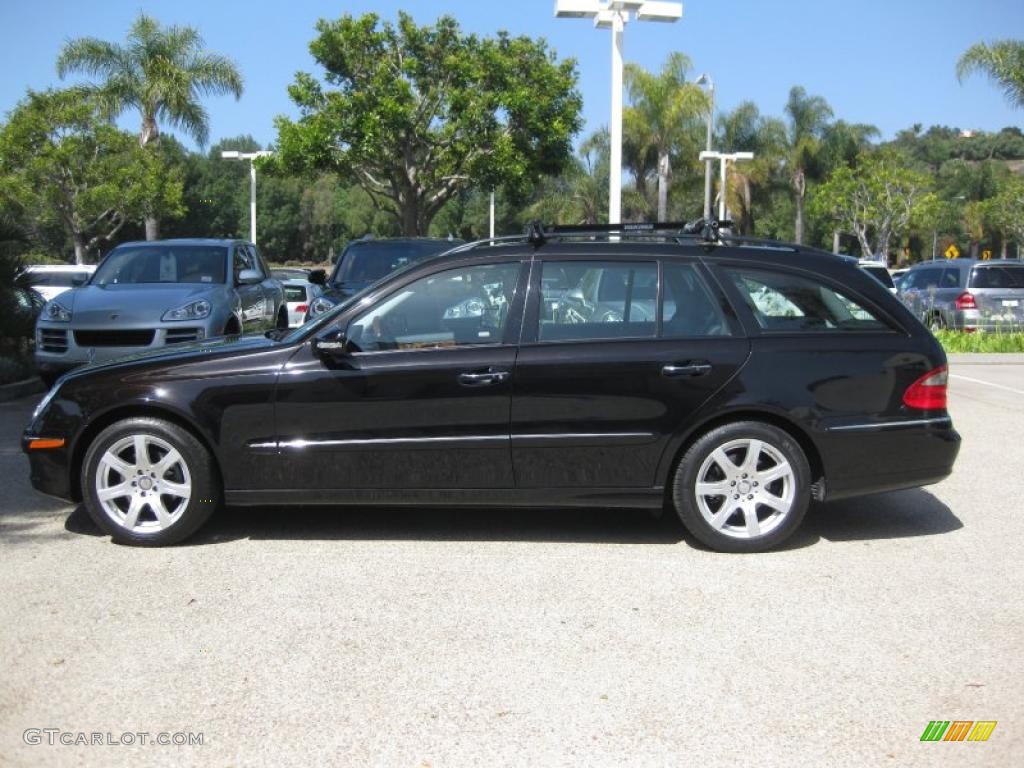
(135, 265)
(368, 260)
(1009, 276)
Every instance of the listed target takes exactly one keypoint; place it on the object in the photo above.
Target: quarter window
(598, 300)
(785, 302)
(457, 307)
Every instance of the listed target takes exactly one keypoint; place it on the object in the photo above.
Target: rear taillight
(929, 392)
(965, 301)
(302, 308)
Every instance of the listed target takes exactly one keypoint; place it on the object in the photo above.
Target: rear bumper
(868, 461)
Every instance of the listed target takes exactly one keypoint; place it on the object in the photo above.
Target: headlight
(319, 306)
(194, 310)
(56, 312)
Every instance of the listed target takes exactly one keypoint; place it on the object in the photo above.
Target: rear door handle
(697, 368)
(483, 378)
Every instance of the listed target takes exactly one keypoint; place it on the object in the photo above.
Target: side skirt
(633, 498)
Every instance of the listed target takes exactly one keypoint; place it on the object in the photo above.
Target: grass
(980, 341)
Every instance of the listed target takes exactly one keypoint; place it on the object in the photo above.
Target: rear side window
(688, 307)
(598, 300)
(785, 302)
(950, 278)
(1011, 276)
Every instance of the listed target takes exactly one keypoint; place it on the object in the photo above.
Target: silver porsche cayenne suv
(149, 294)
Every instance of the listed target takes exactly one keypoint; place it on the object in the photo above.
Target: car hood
(179, 354)
(129, 304)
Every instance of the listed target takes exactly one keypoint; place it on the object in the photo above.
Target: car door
(419, 397)
(273, 291)
(598, 395)
(250, 295)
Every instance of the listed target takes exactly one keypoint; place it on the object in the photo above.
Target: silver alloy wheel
(143, 483)
(745, 488)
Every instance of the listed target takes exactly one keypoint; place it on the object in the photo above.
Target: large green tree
(664, 108)
(745, 129)
(416, 114)
(61, 159)
(1002, 61)
(162, 72)
(878, 200)
(808, 117)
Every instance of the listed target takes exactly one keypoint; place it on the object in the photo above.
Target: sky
(890, 63)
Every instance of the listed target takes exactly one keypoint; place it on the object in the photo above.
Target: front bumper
(49, 470)
(61, 347)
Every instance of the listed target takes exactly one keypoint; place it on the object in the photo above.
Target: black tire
(936, 322)
(282, 319)
(795, 488)
(188, 515)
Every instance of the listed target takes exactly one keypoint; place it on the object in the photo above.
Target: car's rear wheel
(742, 487)
(149, 482)
(936, 322)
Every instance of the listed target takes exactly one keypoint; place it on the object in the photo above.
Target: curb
(21, 389)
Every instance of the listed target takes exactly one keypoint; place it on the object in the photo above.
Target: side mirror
(78, 280)
(249, 277)
(332, 347)
(318, 277)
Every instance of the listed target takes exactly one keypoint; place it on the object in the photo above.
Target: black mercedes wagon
(733, 379)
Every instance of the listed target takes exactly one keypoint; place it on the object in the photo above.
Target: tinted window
(367, 261)
(56, 279)
(162, 264)
(457, 307)
(689, 308)
(787, 302)
(294, 293)
(597, 300)
(950, 278)
(1010, 276)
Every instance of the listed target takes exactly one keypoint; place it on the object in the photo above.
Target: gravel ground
(534, 638)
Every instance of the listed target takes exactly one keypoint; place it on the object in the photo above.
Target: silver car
(966, 294)
(146, 295)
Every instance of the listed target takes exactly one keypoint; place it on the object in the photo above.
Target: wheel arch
(787, 425)
(120, 413)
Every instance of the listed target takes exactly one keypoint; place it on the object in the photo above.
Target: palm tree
(667, 105)
(160, 71)
(1002, 61)
(746, 130)
(808, 117)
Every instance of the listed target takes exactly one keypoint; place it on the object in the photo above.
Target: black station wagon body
(490, 376)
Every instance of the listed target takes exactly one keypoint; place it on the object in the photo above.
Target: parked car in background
(897, 277)
(455, 381)
(966, 294)
(51, 280)
(876, 269)
(365, 261)
(298, 295)
(149, 294)
(289, 273)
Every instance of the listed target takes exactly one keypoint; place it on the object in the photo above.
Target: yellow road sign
(952, 252)
(986, 254)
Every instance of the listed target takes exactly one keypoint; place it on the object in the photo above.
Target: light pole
(724, 158)
(234, 154)
(705, 79)
(613, 15)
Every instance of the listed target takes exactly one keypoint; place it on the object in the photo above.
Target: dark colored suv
(735, 379)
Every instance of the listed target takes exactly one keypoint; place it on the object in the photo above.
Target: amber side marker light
(45, 443)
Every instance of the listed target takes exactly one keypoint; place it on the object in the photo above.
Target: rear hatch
(998, 291)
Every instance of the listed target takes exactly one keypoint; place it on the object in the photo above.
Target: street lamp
(613, 15)
(724, 158)
(234, 154)
(705, 79)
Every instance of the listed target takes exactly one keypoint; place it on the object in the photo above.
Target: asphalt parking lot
(441, 638)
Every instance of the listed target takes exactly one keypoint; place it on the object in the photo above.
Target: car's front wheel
(149, 482)
(742, 487)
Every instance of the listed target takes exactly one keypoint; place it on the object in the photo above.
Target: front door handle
(696, 368)
(483, 378)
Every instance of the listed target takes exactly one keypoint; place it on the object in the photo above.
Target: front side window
(133, 265)
(785, 302)
(243, 260)
(598, 300)
(457, 307)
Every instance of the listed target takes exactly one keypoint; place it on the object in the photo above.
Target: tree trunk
(1003, 248)
(664, 172)
(800, 187)
(410, 218)
(79, 248)
(835, 241)
(152, 228)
